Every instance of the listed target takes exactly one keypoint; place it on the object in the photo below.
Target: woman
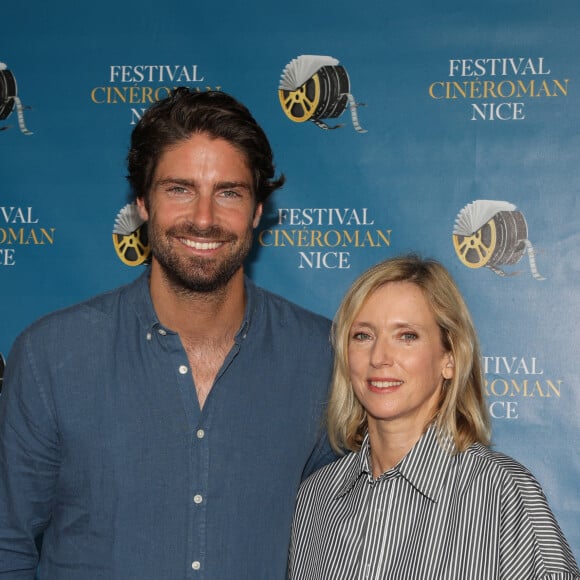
(421, 496)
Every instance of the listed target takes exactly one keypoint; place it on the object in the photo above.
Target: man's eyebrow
(175, 180)
(191, 183)
(233, 185)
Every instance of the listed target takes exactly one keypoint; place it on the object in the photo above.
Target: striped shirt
(473, 515)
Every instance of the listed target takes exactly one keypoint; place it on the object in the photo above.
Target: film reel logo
(490, 234)
(313, 88)
(9, 99)
(130, 237)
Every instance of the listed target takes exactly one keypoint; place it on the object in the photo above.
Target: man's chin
(199, 282)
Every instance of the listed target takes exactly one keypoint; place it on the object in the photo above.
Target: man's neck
(199, 316)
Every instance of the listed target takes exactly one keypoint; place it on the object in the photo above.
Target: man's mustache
(211, 233)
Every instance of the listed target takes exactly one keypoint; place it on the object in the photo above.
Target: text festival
(323, 235)
(145, 84)
(18, 228)
(498, 87)
(509, 380)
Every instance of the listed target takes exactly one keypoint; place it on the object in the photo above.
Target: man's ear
(143, 213)
(448, 367)
(257, 214)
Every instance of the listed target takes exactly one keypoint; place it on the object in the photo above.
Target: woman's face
(396, 359)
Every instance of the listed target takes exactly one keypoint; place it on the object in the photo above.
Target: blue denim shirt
(109, 466)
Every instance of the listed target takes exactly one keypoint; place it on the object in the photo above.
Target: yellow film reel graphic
(492, 234)
(300, 105)
(314, 88)
(476, 250)
(130, 238)
(132, 249)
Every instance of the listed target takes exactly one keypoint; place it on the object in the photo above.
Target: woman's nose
(381, 354)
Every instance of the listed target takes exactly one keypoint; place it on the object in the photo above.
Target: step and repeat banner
(451, 129)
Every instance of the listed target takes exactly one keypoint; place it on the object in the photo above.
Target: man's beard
(195, 273)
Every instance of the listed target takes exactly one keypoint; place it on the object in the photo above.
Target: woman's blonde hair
(462, 410)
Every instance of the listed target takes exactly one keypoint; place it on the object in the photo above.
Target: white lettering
(478, 67)
(500, 112)
(7, 257)
(17, 215)
(154, 73)
(504, 410)
(324, 216)
(326, 260)
(511, 365)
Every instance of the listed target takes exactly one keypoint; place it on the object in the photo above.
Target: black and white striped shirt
(475, 515)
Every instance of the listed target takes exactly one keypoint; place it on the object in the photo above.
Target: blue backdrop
(449, 128)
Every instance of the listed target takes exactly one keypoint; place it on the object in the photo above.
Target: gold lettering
(23, 237)
(325, 238)
(500, 387)
(505, 89)
(552, 387)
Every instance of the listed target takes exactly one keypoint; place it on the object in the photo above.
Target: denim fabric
(108, 465)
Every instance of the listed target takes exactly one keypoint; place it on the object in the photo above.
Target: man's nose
(203, 211)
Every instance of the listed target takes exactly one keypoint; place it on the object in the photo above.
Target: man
(160, 431)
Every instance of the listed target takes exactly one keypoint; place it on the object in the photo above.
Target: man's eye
(177, 189)
(230, 193)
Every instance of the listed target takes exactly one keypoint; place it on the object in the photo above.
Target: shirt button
(197, 498)
(183, 369)
(196, 565)
(200, 433)
(162, 331)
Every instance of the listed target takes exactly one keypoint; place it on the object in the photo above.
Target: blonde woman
(420, 495)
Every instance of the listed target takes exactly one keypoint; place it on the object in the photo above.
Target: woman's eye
(408, 336)
(360, 336)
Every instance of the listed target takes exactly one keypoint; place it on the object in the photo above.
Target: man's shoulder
(289, 313)
(94, 310)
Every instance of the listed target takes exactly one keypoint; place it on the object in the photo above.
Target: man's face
(201, 213)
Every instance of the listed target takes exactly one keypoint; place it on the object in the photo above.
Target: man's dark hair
(185, 113)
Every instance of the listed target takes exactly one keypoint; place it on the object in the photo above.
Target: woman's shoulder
(527, 519)
(500, 469)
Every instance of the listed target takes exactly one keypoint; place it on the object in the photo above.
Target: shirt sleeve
(532, 544)
(299, 556)
(29, 463)
(320, 456)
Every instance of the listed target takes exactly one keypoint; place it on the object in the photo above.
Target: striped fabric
(474, 515)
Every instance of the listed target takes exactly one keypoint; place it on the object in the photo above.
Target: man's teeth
(201, 245)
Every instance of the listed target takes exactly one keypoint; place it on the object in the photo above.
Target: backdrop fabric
(451, 129)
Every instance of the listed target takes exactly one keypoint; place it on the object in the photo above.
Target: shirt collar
(251, 311)
(359, 466)
(139, 296)
(425, 467)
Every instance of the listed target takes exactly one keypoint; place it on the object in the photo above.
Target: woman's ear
(448, 367)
